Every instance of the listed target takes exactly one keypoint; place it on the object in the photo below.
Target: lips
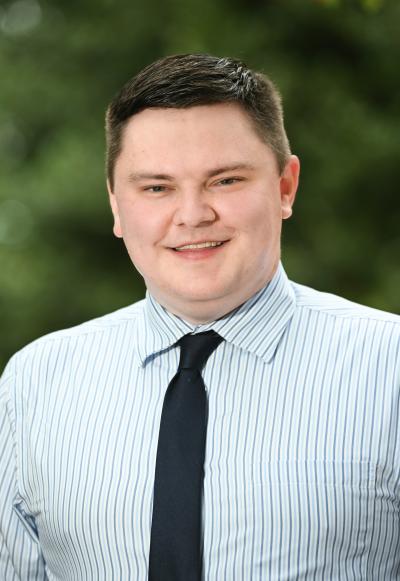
(199, 245)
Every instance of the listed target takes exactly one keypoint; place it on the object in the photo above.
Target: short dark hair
(187, 80)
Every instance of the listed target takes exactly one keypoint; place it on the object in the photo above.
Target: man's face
(195, 176)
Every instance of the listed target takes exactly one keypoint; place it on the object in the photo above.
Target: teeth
(201, 245)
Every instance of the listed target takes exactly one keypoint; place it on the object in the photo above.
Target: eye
(155, 189)
(229, 181)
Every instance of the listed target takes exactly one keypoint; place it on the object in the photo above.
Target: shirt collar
(256, 326)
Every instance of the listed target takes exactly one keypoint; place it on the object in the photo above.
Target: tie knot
(196, 349)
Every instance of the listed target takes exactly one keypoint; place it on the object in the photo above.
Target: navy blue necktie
(176, 525)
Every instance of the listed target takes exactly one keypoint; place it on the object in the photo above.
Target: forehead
(193, 134)
(192, 114)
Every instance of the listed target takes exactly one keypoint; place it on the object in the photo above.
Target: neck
(204, 312)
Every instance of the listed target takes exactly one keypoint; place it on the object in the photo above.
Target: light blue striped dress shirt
(302, 467)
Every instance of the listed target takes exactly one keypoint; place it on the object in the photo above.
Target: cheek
(143, 229)
(255, 208)
(257, 221)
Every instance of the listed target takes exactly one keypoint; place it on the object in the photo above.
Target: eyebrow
(231, 167)
(135, 177)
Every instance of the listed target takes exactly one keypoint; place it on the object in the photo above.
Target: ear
(288, 185)
(114, 208)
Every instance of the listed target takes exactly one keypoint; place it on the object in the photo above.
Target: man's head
(200, 171)
(187, 80)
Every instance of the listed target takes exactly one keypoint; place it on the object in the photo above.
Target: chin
(186, 297)
(194, 296)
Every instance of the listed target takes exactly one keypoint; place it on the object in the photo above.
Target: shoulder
(346, 319)
(88, 337)
(369, 336)
(338, 307)
(105, 324)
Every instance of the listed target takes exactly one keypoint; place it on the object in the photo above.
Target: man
(298, 464)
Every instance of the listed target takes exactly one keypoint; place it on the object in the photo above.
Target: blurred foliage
(336, 62)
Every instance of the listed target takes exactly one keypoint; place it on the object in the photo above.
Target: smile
(198, 245)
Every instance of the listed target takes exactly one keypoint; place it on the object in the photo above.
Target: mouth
(199, 246)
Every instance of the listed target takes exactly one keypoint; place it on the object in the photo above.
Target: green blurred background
(337, 65)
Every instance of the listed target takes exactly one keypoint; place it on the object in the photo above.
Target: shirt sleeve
(20, 553)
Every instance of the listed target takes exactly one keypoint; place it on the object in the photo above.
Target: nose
(194, 209)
